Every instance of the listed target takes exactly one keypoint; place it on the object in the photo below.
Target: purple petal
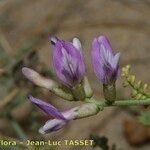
(95, 56)
(68, 63)
(57, 61)
(103, 40)
(52, 125)
(105, 63)
(56, 124)
(76, 56)
(47, 108)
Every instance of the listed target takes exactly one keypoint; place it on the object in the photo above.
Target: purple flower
(105, 63)
(56, 124)
(68, 61)
(61, 118)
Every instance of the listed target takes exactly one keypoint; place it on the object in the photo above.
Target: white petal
(76, 43)
(41, 130)
(69, 63)
(53, 39)
(116, 60)
(51, 124)
(70, 114)
(106, 55)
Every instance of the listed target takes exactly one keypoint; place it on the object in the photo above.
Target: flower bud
(68, 61)
(61, 118)
(56, 124)
(105, 65)
(44, 82)
(37, 79)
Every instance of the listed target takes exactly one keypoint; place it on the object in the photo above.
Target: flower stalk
(120, 103)
(70, 69)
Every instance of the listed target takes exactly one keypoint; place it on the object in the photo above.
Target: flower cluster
(70, 69)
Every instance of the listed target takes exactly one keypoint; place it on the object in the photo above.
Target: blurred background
(25, 27)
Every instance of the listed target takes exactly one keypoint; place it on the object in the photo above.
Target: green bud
(134, 93)
(125, 84)
(143, 97)
(125, 70)
(139, 96)
(138, 85)
(131, 79)
(145, 87)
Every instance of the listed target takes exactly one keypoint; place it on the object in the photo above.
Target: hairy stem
(123, 103)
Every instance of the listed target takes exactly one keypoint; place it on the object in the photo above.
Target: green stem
(120, 103)
(19, 130)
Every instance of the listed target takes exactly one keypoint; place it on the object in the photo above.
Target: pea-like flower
(68, 61)
(61, 118)
(105, 62)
